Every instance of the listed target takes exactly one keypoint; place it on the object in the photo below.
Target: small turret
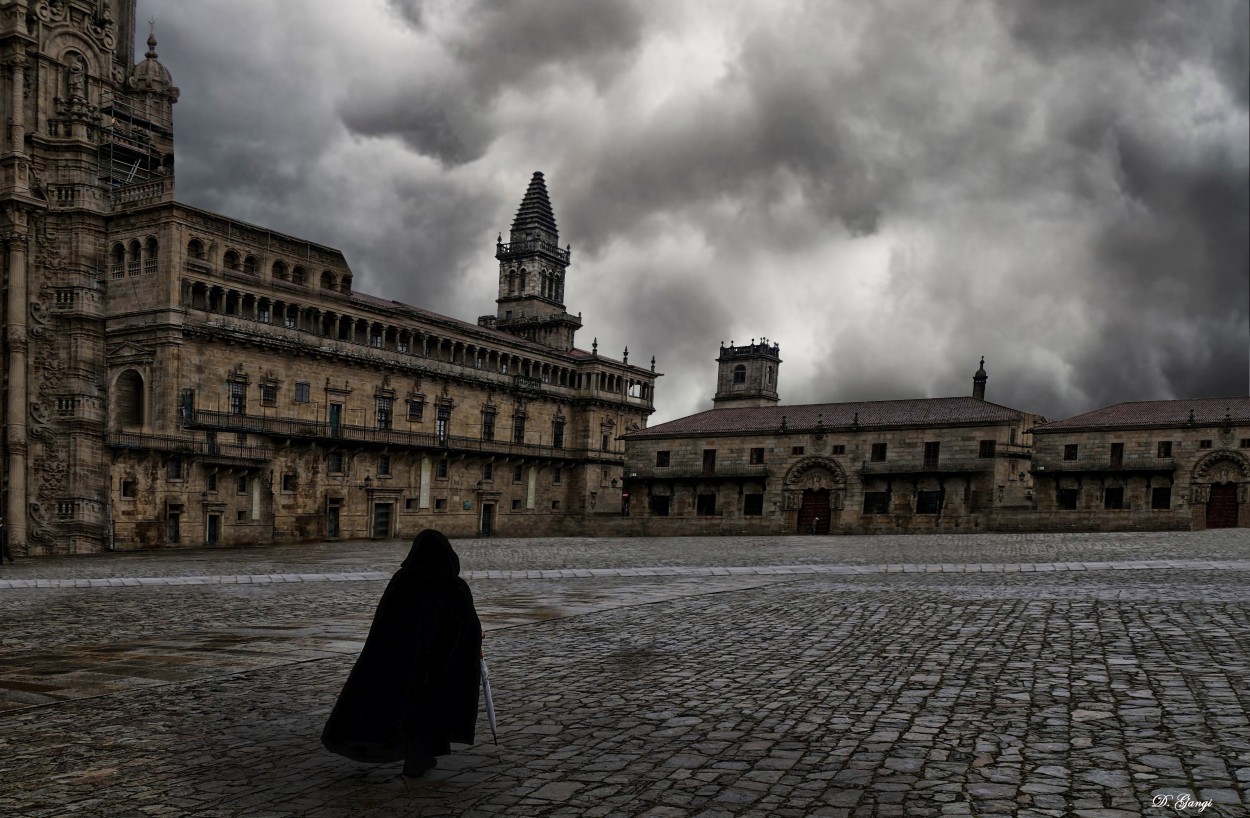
(978, 381)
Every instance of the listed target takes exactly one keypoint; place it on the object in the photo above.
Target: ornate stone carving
(51, 11)
(1222, 467)
(829, 466)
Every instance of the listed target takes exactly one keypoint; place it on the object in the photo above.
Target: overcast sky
(889, 189)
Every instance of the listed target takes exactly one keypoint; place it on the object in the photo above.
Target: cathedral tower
(531, 274)
(747, 375)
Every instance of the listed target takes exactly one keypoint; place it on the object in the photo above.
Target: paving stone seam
(674, 571)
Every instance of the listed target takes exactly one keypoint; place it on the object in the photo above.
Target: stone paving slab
(1096, 692)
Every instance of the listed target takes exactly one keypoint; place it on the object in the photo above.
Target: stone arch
(796, 473)
(1222, 467)
(812, 494)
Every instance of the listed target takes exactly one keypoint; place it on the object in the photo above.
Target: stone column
(15, 412)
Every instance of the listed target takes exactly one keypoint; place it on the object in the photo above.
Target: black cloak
(414, 687)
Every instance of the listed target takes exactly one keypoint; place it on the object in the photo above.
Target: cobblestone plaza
(1093, 675)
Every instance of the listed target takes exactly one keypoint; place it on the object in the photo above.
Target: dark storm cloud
(888, 190)
(520, 45)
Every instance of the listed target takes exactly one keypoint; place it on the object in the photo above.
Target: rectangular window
(288, 321)
(241, 486)
(753, 505)
(659, 506)
(1245, 443)
(335, 461)
(1165, 448)
(129, 488)
(416, 410)
(661, 459)
(384, 465)
(441, 471)
(1204, 444)
(1113, 497)
(240, 516)
(488, 471)
(709, 461)
(385, 407)
(705, 505)
(797, 450)
(557, 434)
(410, 503)
(211, 483)
(375, 341)
(262, 315)
(603, 444)
(488, 426)
(556, 476)
(931, 451)
(757, 456)
(269, 394)
(516, 474)
(1070, 450)
(839, 448)
(302, 392)
(987, 448)
(289, 482)
(518, 429)
(1067, 499)
(928, 502)
(173, 468)
(1161, 498)
(238, 398)
(877, 502)
(878, 453)
(1117, 454)
(442, 424)
(440, 504)
(516, 505)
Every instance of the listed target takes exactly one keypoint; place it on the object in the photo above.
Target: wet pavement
(1092, 675)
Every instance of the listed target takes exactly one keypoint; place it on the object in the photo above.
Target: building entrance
(381, 520)
(814, 512)
(1222, 506)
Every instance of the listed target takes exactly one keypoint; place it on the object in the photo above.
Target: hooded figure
(415, 685)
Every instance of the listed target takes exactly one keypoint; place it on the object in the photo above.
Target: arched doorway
(812, 495)
(128, 399)
(1222, 506)
(814, 512)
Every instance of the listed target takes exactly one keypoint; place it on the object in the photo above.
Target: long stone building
(752, 465)
(1174, 464)
(177, 377)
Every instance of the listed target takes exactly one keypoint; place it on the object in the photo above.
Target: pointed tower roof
(535, 210)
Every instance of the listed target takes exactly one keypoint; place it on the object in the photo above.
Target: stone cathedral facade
(176, 377)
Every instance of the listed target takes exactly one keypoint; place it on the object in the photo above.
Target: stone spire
(978, 381)
(535, 212)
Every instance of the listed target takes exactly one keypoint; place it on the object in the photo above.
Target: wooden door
(1222, 507)
(814, 513)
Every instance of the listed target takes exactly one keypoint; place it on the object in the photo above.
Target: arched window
(345, 286)
(327, 280)
(128, 398)
(523, 277)
(151, 252)
(134, 253)
(251, 266)
(768, 375)
(740, 374)
(230, 260)
(299, 276)
(280, 271)
(195, 249)
(117, 261)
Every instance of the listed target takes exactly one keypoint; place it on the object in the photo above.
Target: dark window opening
(659, 506)
(931, 453)
(877, 502)
(555, 478)
(661, 458)
(384, 465)
(290, 482)
(441, 471)
(740, 374)
(878, 453)
(416, 410)
(516, 474)
(797, 450)
(1165, 448)
(1117, 454)
(1113, 497)
(987, 448)
(757, 456)
(269, 394)
(705, 505)
(1204, 444)
(173, 469)
(1161, 498)
(518, 429)
(440, 504)
(557, 434)
(302, 392)
(385, 408)
(709, 461)
(335, 463)
(211, 483)
(929, 502)
(1070, 451)
(753, 505)
(130, 488)
(1068, 498)
(839, 449)
(238, 398)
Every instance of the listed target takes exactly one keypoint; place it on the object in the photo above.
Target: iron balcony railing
(504, 250)
(209, 449)
(943, 465)
(350, 433)
(1103, 464)
(696, 472)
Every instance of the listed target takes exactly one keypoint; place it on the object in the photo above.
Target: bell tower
(747, 375)
(531, 274)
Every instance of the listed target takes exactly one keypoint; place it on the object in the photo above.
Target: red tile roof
(1206, 412)
(836, 416)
